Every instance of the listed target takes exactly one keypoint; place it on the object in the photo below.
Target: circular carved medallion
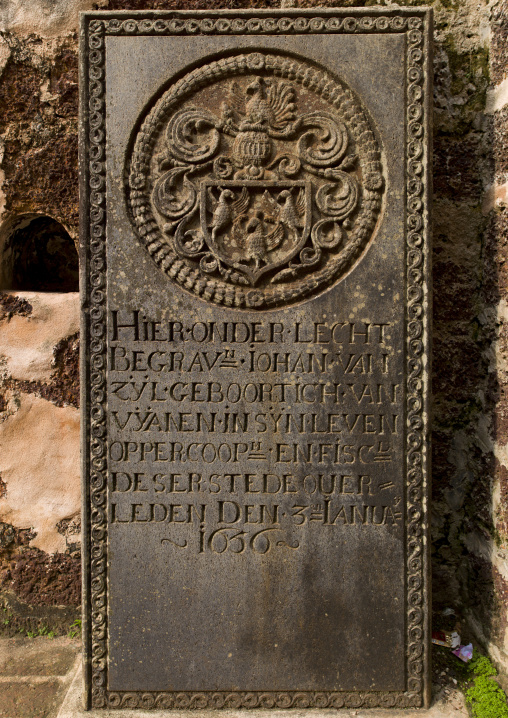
(255, 181)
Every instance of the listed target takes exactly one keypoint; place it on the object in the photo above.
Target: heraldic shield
(255, 227)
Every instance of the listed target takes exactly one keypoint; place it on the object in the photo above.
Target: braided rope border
(95, 30)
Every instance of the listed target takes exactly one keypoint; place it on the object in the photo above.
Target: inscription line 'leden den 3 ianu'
(233, 449)
(255, 323)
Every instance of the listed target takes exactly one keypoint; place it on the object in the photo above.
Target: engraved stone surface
(255, 311)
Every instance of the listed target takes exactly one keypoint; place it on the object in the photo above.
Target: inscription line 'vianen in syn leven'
(255, 253)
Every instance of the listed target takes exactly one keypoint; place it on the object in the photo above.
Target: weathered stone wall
(39, 467)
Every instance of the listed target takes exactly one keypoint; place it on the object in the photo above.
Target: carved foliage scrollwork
(326, 143)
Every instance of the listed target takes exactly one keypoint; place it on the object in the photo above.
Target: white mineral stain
(27, 343)
(43, 482)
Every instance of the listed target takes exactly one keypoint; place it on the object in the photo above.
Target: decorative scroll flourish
(327, 231)
(181, 129)
(245, 199)
(170, 201)
(338, 199)
(324, 145)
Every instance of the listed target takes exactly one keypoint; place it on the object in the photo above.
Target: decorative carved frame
(216, 290)
(416, 24)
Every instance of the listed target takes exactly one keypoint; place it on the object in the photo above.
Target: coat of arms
(256, 180)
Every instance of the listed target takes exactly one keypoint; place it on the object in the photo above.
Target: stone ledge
(451, 706)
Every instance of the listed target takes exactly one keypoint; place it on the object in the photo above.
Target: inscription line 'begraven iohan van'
(255, 358)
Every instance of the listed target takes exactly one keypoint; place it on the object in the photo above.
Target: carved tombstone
(255, 363)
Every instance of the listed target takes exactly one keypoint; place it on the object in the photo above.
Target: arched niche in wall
(38, 255)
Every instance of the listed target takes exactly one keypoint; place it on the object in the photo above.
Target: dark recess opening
(44, 258)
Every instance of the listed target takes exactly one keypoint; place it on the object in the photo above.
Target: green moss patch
(484, 696)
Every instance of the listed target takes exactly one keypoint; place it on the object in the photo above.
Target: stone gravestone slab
(255, 364)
